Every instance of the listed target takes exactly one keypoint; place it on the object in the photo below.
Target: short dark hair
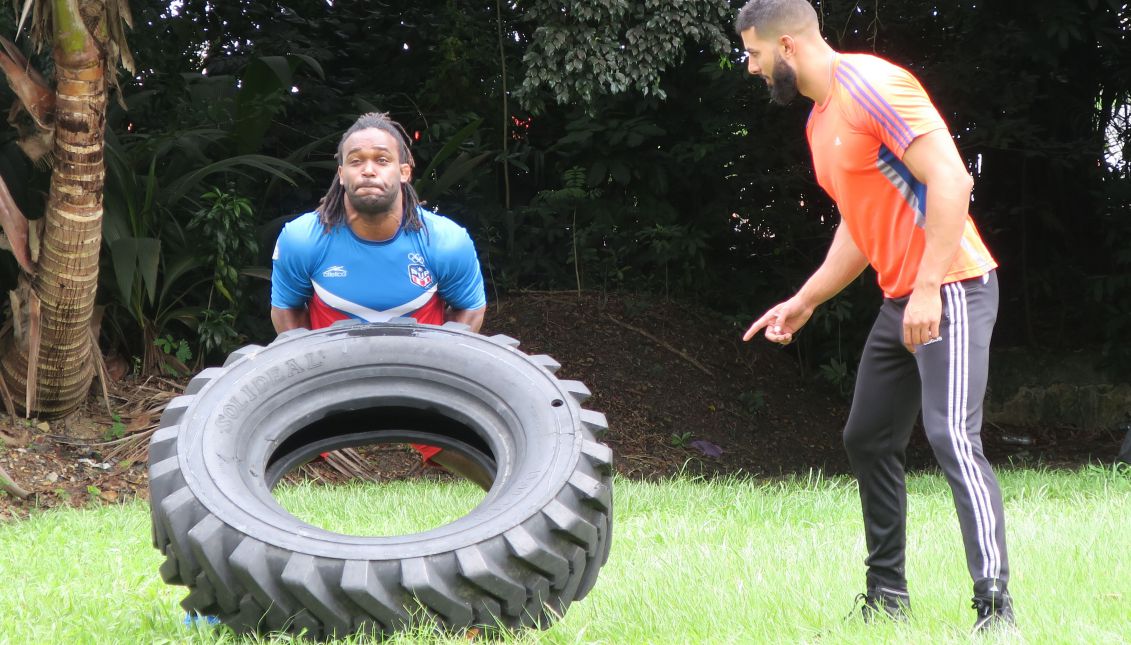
(772, 18)
(332, 209)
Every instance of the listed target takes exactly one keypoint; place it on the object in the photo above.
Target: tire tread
(526, 576)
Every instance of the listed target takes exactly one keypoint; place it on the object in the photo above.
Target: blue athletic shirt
(338, 275)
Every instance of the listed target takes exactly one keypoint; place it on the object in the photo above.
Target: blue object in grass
(194, 619)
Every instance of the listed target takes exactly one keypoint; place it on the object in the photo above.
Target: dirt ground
(682, 394)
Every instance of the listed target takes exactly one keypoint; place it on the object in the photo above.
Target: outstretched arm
(843, 264)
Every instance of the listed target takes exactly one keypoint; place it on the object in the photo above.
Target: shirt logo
(419, 275)
(336, 271)
(837, 142)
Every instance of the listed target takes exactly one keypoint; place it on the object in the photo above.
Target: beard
(372, 204)
(783, 88)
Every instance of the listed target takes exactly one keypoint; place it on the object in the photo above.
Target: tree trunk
(57, 344)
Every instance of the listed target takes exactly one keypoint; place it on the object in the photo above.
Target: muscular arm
(471, 317)
(934, 160)
(843, 264)
(284, 319)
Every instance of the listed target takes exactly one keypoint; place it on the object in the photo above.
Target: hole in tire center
(364, 472)
(557, 403)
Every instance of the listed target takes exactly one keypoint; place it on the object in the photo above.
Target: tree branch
(663, 344)
(11, 487)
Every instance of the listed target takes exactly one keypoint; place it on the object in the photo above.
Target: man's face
(371, 172)
(761, 57)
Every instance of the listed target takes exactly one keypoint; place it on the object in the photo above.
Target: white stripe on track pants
(946, 379)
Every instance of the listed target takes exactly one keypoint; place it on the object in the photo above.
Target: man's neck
(815, 76)
(375, 228)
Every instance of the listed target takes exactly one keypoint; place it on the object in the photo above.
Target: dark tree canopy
(629, 150)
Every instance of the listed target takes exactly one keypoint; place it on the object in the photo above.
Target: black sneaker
(993, 604)
(883, 602)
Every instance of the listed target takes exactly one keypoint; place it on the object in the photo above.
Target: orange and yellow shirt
(858, 137)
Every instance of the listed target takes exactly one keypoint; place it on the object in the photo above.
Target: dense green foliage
(599, 144)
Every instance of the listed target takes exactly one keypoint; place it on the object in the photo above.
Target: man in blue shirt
(371, 252)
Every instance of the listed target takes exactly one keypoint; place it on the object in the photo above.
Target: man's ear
(406, 173)
(341, 181)
(787, 45)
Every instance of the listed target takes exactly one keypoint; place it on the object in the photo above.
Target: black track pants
(947, 380)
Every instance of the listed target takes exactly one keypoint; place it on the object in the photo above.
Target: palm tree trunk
(67, 274)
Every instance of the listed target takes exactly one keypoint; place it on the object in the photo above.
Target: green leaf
(271, 165)
(187, 316)
(580, 137)
(219, 284)
(310, 62)
(149, 261)
(263, 273)
(303, 152)
(457, 170)
(123, 255)
(119, 197)
(598, 172)
(174, 270)
(451, 147)
(184, 352)
(278, 65)
(263, 83)
(150, 196)
(132, 256)
(650, 130)
(621, 173)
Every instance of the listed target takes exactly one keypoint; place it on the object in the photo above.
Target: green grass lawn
(692, 562)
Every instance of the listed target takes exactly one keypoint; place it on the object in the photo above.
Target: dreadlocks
(332, 210)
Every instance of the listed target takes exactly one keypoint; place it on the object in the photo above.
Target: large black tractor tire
(518, 559)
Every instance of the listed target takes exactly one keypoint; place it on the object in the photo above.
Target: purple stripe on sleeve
(867, 95)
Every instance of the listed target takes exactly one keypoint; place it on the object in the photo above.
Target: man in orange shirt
(883, 153)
